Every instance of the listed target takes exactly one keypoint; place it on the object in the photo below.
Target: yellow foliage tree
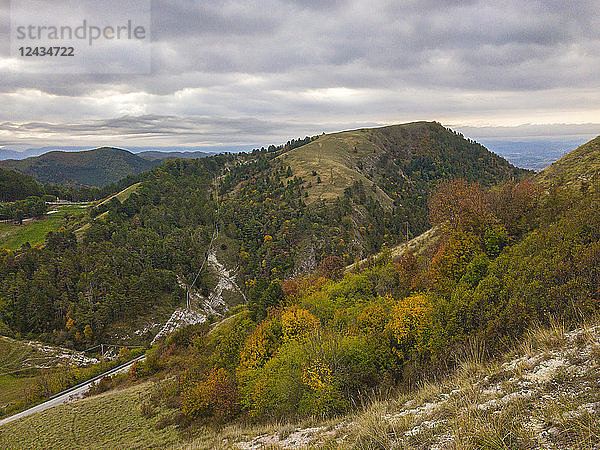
(324, 395)
(262, 344)
(374, 317)
(296, 323)
(410, 325)
(317, 376)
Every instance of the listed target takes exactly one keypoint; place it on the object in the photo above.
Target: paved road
(70, 394)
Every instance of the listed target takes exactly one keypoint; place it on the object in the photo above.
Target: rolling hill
(98, 167)
(396, 166)
(579, 168)
(279, 212)
(17, 186)
(310, 343)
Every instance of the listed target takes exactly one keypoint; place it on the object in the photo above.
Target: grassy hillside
(98, 167)
(112, 420)
(424, 242)
(26, 368)
(542, 394)
(13, 236)
(122, 195)
(578, 169)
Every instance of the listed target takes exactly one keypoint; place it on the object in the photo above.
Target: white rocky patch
(180, 318)
(46, 356)
(215, 302)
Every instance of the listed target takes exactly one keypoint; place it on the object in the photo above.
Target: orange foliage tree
(217, 397)
(458, 204)
(262, 343)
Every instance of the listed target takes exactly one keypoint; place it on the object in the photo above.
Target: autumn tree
(514, 205)
(332, 267)
(410, 325)
(216, 396)
(458, 205)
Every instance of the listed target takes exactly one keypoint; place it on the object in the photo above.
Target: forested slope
(271, 225)
(98, 167)
(16, 186)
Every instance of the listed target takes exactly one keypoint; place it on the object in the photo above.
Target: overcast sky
(254, 73)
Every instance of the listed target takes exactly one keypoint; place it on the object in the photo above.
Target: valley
(316, 285)
(34, 231)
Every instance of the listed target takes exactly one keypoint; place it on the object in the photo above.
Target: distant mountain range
(154, 152)
(527, 154)
(98, 167)
(162, 155)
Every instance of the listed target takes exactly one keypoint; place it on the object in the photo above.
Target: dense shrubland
(319, 343)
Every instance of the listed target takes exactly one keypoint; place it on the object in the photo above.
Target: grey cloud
(272, 62)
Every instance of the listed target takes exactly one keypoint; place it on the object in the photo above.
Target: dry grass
(334, 159)
(112, 420)
(514, 402)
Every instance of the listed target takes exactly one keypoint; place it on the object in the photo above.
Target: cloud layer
(226, 72)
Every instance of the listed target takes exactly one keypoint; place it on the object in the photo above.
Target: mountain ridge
(579, 168)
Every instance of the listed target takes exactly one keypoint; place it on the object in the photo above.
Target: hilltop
(98, 167)
(349, 193)
(578, 169)
(400, 160)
